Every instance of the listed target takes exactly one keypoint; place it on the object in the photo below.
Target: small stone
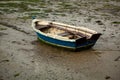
(32, 61)
(23, 39)
(104, 30)
(16, 74)
(99, 22)
(107, 77)
(68, 69)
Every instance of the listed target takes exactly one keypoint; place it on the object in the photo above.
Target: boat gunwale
(57, 23)
(59, 38)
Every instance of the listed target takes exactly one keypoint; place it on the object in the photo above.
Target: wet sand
(24, 57)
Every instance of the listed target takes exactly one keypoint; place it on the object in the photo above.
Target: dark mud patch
(107, 77)
(117, 59)
(116, 22)
(1, 34)
(1, 78)
(13, 27)
(3, 61)
(16, 42)
(17, 74)
(99, 22)
(35, 42)
(3, 29)
(24, 40)
(108, 8)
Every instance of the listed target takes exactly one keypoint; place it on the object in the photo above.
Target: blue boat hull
(79, 44)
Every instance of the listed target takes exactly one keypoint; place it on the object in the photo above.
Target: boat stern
(84, 43)
(95, 37)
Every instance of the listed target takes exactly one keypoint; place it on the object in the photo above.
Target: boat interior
(65, 32)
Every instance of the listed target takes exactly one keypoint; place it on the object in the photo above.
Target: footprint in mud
(19, 43)
(27, 50)
(16, 42)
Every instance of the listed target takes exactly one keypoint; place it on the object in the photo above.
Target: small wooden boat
(64, 35)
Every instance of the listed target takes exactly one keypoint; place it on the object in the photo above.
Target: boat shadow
(59, 56)
(54, 47)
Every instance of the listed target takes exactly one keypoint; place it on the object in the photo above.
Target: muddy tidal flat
(24, 57)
